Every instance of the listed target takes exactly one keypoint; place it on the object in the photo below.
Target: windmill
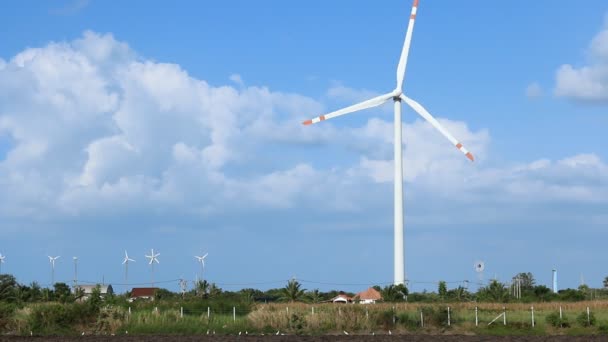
(201, 260)
(2, 257)
(52, 261)
(125, 262)
(397, 97)
(153, 259)
(75, 271)
(479, 267)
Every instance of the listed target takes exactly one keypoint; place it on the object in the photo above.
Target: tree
(527, 281)
(315, 296)
(8, 288)
(394, 293)
(293, 292)
(442, 289)
(542, 292)
(496, 292)
(62, 292)
(606, 282)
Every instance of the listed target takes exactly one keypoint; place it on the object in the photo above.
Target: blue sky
(177, 127)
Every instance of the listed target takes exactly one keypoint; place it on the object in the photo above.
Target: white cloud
(97, 130)
(534, 90)
(588, 82)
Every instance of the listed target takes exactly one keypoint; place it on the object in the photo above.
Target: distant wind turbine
(153, 259)
(2, 257)
(52, 261)
(201, 260)
(125, 262)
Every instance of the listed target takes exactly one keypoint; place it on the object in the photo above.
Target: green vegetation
(30, 309)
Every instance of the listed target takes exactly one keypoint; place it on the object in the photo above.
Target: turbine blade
(376, 101)
(204, 256)
(406, 47)
(417, 107)
(124, 261)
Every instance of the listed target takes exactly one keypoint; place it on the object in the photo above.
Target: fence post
(588, 317)
(532, 308)
(313, 310)
(421, 319)
(504, 315)
(129, 311)
(156, 308)
(181, 312)
(476, 320)
(287, 309)
(208, 312)
(449, 316)
(394, 317)
(366, 314)
(234, 313)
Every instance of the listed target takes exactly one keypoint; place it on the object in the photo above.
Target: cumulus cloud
(95, 130)
(588, 82)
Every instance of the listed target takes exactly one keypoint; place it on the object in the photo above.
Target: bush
(385, 319)
(585, 321)
(408, 321)
(6, 315)
(554, 320)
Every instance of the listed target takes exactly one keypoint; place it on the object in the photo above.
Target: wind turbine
(52, 261)
(126, 263)
(201, 260)
(153, 259)
(397, 97)
(75, 271)
(2, 257)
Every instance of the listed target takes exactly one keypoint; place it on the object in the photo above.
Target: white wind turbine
(52, 261)
(153, 259)
(2, 257)
(397, 96)
(126, 263)
(201, 260)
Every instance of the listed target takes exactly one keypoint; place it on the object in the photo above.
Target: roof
(369, 294)
(143, 291)
(341, 296)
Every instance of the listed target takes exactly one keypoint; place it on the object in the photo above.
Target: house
(369, 296)
(145, 293)
(342, 298)
(87, 290)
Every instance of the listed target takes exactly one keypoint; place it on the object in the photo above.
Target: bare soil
(290, 338)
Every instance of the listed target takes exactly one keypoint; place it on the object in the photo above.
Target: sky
(177, 126)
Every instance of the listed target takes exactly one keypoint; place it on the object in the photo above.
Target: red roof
(143, 292)
(369, 294)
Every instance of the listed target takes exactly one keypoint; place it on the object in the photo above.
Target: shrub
(554, 320)
(585, 321)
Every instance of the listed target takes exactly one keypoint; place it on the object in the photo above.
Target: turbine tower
(153, 259)
(2, 257)
(125, 262)
(52, 261)
(397, 96)
(75, 271)
(201, 260)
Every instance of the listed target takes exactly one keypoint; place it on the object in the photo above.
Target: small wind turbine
(75, 271)
(2, 257)
(397, 96)
(201, 260)
(52, 261)
(125, 262)
(153, 259)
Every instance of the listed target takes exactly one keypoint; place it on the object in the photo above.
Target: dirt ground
(378, 338)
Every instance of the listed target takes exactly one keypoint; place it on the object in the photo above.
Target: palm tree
(315, 296)
(293, 292)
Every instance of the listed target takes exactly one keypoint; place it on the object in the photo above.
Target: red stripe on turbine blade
(415, 3)
(470, 156)
(413, 16)
(307, 122)
(459, 146)
(322, 117)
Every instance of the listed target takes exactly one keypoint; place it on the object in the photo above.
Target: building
(87, 290)
(369, 296)
(342, 298)
(143, 293)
